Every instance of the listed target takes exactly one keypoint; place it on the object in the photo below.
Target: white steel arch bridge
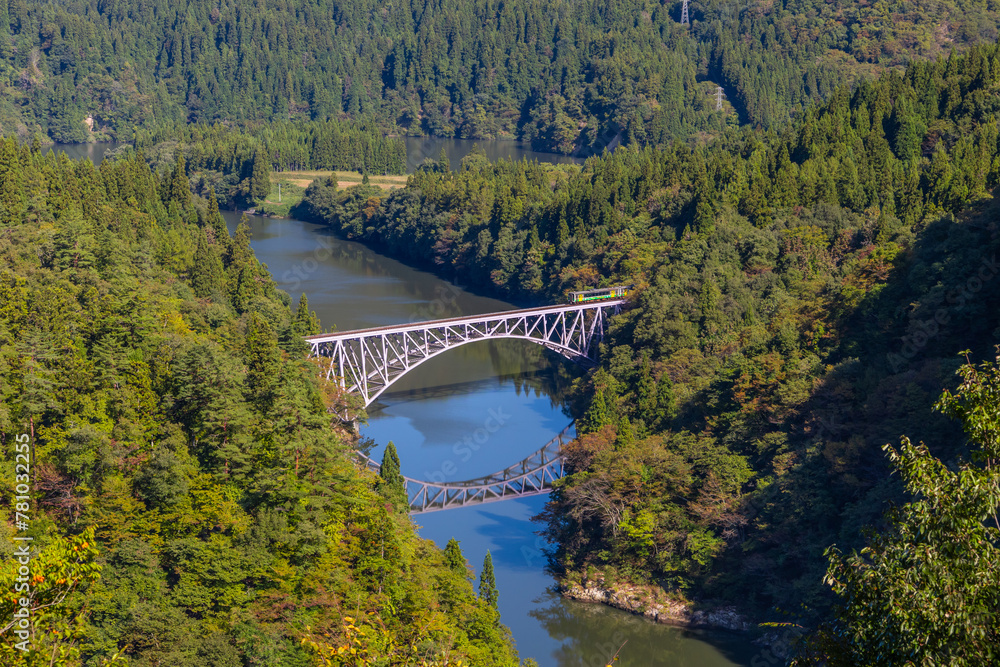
(369, 361)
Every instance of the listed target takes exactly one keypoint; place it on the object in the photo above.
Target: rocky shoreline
(652, 603)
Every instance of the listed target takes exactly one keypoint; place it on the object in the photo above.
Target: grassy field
(293, 184)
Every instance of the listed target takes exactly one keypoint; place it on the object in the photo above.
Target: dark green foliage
(163, 481)
(263, 361)
(11, 183)
(598, 75)
(246, 279)
(260, 178)
(306, 323)
(207, 276)
(177, 186)
(215, 221)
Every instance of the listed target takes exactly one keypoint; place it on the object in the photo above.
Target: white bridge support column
(369, 361)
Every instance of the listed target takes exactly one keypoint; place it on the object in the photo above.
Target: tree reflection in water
(591, 633)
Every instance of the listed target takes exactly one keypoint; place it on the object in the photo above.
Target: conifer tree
(242, 289)
(11, 183)
(666, 402)
(487, 583)
(306, 321)
(263, 359)
(646, 393)
(626, 435)
(241, 268)
(391, 485)
(260, 178)
(179, 188)
(444, 164)
(214, 219)
(207, 276)
(601, 410)
(454, 558)
(240, 253)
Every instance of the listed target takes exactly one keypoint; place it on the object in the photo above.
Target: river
(467, 413)
(504, 397)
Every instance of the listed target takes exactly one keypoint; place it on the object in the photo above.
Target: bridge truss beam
(369, 361)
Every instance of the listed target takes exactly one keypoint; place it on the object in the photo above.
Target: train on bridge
(600, 294)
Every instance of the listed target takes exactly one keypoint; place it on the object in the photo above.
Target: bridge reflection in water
(369, 361)
(530, 477)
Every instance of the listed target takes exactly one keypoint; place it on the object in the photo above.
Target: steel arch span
(531, 476)
(369, 361)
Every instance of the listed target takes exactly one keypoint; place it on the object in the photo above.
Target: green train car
(600, 294)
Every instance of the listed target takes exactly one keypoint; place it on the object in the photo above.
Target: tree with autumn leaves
(63, 570)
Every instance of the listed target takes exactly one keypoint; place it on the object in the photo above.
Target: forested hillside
(803, 295)
(808, 261)
(194, 500)
(569, 77)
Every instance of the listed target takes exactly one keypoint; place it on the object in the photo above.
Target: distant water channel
(431, 412)
(418, 149)
(80, 151)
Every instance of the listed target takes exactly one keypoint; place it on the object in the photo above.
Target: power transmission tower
(684, 14)
(718, 98)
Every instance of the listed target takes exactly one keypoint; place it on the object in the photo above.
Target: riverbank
(654, 603)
